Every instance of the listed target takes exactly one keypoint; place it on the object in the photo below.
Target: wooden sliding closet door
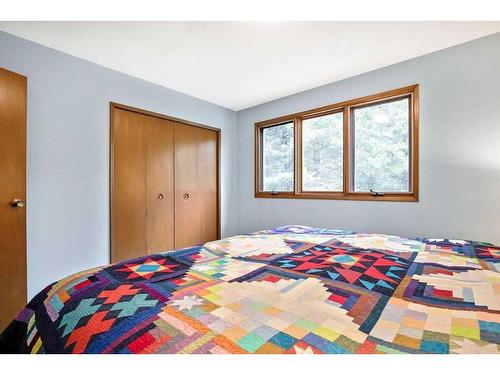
(164, 183)
(159, 142)
(187, 219)
(128, 208)
(142, 205)
(208, 184)
(196, 194)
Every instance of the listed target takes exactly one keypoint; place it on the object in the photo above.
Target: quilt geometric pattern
(289, 290)
(368, 269)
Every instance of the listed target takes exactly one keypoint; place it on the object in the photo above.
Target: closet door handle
(160, 196)
(185, 196)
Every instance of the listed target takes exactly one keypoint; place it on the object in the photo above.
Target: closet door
(128, 208)
(196, 197)
(207, 184)
(187, 218)
(142, 205)
(159, 141)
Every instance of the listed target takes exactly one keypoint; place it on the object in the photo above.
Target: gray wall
(459, 150)
(68, 153)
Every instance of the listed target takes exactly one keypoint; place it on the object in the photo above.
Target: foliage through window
(322, 148)
(382, 147)
(365, 148)
(277, 157)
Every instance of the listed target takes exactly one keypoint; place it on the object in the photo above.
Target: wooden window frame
(347, 107)
(258, 160)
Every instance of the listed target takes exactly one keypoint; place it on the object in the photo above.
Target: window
(362, 149)
(382, 147)
(322, 153)
(277, 158)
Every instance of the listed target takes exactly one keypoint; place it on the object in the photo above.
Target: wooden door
(159, 142)
(208, 184)
(142, 203)
(13, 89)
(187, 219)
(196, 187)
(128, 206)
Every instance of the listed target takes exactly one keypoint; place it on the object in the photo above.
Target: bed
(293, 289)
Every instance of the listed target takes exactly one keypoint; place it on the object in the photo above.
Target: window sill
(340, 196)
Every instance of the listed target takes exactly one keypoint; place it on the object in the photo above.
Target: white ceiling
(241, 64)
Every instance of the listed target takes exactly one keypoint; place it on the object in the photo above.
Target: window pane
(277, 158)
(381, 152)
(322, 153)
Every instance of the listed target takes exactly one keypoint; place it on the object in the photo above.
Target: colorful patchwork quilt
(292, 289)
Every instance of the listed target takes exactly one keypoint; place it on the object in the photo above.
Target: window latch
(274, 192)
(376, 193)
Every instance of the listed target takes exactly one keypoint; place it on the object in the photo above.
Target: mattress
(292, 289)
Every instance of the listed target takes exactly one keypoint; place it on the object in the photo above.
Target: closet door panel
(207, 184)
(128, 184)
(159, 185)
(164, 192)
(187, 217)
